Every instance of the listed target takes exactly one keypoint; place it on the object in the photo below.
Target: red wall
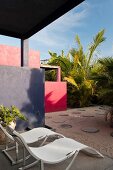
(55, 96)
(10, 56)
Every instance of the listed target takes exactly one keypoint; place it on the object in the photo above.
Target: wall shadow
(34, 107)
(53, 105)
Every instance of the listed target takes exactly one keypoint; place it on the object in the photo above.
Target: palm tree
(76, 67)
(63, 61)
(102, 73)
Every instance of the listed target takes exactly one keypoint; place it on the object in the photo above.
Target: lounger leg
(58, 136)
(42, 165)
(98, 153)
(9, 157)
(5, 151)
(6, 146)
(24, 154)
(73, 159)
(16, 152)
(44, 141)
(28, 166)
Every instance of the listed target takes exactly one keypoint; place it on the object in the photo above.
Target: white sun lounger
(55, 152)
(30, 136)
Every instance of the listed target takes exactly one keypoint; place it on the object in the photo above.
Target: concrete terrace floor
(70, 123)
(82, 162)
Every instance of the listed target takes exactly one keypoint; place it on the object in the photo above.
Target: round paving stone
(111, 134)
(58, 121)
(101, 108)
(64, 115)
(76, 113)
(66, 126)
(101, 113)
(82, 110)
(48, 117)
(87, 116)
(90, 130)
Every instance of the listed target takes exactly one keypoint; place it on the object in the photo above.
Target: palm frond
(97, 40)
(71, 81)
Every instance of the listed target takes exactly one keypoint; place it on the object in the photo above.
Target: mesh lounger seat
(56, 151)
(30, 136)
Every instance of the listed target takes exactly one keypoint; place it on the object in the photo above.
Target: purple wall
(24, 88)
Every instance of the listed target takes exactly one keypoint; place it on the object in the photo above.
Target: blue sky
(84, 20)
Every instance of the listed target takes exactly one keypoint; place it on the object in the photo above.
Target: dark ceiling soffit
(56, 14)
(10, 33)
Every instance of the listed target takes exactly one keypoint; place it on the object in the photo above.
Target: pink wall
(10, 56)
(55, 96)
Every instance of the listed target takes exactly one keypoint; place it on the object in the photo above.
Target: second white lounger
(56, 151)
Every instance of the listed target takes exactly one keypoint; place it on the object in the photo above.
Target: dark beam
(24, 52)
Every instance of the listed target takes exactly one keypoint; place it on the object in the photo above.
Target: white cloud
(70, 20)
(54, 35)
